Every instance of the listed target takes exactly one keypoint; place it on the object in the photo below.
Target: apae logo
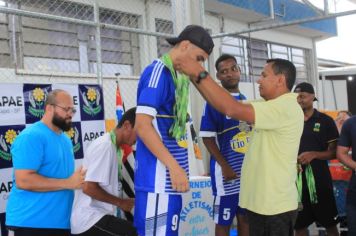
(5, 143)
(90, 136)
(37, 97)
(73, 134)
(91, 99)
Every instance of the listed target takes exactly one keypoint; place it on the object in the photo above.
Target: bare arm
(344, 157)
(307, 157)
(151, 139)
(94, 190)
(213, 149)
(31, 180)
(219, 98)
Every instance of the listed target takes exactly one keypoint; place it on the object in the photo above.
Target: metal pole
(315, 72)
(293, 22)
(271, 9)
(13, 35)
(334, 94)
(99, 67)
(323, 89)
(174, 16)
(202, 13)
(326, 7)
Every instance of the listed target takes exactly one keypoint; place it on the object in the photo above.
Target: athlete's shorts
(157, 214)
(226, 208)
(324, 212)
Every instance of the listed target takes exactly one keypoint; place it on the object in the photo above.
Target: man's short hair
(285, 67)
(129, 115)
(224, 57)
(52, 96)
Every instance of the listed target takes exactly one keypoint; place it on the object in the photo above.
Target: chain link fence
(105, 41)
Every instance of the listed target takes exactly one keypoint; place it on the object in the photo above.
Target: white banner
(196, 217)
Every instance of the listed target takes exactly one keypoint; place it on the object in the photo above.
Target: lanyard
(118, 152)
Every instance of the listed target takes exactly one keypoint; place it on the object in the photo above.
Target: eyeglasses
(66, 109)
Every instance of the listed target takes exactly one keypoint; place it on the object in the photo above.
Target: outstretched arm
(219, 98)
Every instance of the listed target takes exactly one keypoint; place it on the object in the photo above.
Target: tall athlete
(161, 168)
(226, 140)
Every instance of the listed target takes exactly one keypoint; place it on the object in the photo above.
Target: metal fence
(53, 41)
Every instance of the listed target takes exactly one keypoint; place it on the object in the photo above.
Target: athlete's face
(305, 100)
(229, 74)
(187, 49)
(129, 133)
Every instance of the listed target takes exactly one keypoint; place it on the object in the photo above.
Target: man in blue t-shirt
(226, 140)
(41, 199)
(161, 168)
(346, 153)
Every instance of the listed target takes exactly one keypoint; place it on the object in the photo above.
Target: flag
(127, 180)
(128, 161)
(119, 104)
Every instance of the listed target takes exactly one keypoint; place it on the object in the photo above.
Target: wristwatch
(202, 75)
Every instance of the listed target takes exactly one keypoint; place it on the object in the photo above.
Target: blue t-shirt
(232, 138)
(156, 97)
(50, 154)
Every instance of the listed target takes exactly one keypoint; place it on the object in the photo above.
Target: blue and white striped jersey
(156, 97)
(232, 137)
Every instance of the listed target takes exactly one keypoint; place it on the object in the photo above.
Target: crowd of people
(268, 164)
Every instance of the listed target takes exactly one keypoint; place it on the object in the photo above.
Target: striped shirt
(156, 97)
(232, 137)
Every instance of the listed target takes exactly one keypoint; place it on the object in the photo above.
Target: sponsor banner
(90, 131)
(35, 96)
(3, 230)
(5, 187)
(91, 100)
(12, 110)
(7, 136)
(75, 135)
(196, 217)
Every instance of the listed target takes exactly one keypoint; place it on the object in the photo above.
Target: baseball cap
(197, 35)
(305, 87)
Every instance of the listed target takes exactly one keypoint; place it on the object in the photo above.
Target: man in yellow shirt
(268, 189)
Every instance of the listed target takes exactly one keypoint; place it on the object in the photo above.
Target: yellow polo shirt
(269, 169)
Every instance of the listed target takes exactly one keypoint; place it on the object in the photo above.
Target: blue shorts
(226, 208)
(157, 213)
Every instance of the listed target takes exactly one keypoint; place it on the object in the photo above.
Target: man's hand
(306, 157)
(179, 179)
(228, 173)
(77, 179)
(126, 204)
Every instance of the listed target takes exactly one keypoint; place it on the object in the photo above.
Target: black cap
(197, 35)
(305, 87)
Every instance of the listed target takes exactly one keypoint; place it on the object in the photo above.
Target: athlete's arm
(213, 149)
(151, 139)
(94, 190)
